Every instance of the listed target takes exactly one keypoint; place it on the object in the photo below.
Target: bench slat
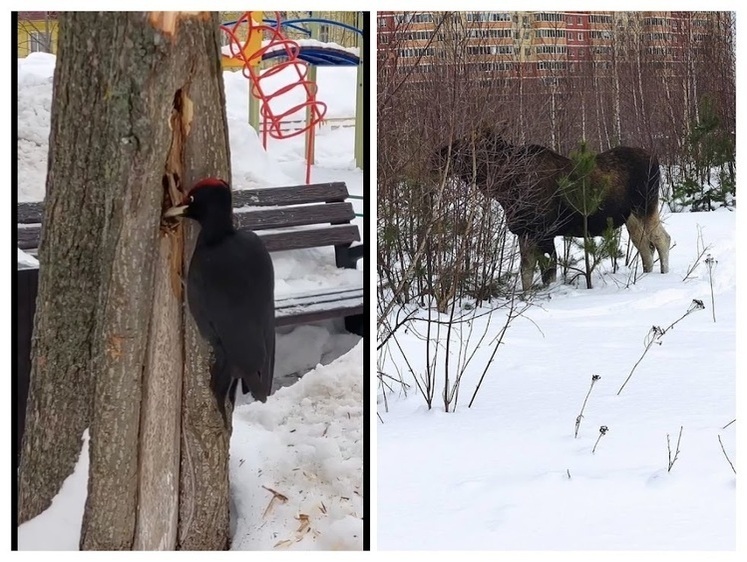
(30, 213)
(292, 195)
(321, 307)
(28, 237)
(261, 219)
(342, 234)
(344, 291)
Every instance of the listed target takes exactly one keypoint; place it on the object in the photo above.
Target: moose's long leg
(660, 239)
(528, 252)
(548, 261)
(641, 240)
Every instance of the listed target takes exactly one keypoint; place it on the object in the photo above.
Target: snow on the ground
(306, 444)
(35, 74)
(26, 260)
(508, 473)
(58, 528)
(298, 350)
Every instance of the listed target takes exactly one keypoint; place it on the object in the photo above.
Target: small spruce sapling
(584, 191)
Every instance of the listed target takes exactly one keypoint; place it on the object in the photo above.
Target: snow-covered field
(507, 473)
(306, 441)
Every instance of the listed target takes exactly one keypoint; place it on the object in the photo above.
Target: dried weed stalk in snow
(725, 455)
(656, 333)
(602, 431)
(701, 249)
(594, 378)
(711, 263)
(672, 459)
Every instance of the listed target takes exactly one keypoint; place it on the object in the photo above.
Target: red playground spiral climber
(270, 38)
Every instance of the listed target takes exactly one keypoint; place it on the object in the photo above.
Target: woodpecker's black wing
(231, 297)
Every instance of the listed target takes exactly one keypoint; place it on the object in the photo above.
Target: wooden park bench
(287, 218)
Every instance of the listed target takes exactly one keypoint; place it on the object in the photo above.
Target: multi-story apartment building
(534, 43)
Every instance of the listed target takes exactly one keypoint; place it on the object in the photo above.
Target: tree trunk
(112, 346)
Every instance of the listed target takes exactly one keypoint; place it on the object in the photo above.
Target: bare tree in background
(441, 242)
(633, 87)
(40, 36)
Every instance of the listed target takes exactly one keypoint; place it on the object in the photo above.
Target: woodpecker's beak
(177, 211)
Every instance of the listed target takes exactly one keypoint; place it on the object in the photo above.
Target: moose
(524, 179)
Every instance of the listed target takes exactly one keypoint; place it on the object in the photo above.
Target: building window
(488, 16)
(654, 21)
(409, 17)
(551, 65)
(487, 33)
(37, 42)
(550, 49)
(580, 36)
(657, 51)
(659, 36)
(548, 16)
(491, 50)
(549, 32)
(382, 22)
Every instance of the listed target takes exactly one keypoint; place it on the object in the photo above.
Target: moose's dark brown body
(524, 180)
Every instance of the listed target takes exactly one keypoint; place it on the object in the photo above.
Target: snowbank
(305, 444)
(26, 261)
(514, 474)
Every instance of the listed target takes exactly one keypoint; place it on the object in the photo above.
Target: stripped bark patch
(114, 349)
(166, 22)
(186, 113)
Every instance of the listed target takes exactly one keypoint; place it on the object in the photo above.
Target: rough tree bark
(138, 112)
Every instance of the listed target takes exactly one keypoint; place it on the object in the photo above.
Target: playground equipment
(244, 51)
(302, 56)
